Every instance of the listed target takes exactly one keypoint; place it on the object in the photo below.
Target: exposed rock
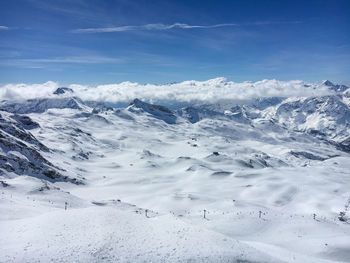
(26, 122)
(62, 90)
(20, 153)
(157, 111)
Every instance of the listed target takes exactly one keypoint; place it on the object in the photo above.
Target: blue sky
(96, 41)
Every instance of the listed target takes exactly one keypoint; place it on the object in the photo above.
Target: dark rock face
(62, 90)
(98, 107)
(140, 104)
(20, 152)
(26, 122)
(308, 155)
(4, 184)
(157, 111)
(335, 87)
(15, 129)
(190, 113)
(345, 145)
(196, 114)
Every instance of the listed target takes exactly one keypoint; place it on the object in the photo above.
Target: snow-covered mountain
(20, 151)
(335, 87)
(235, 179)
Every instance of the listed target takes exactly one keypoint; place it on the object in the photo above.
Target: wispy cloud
(79, 60)
(160, 26)
(4, 28)
(146, 27)
(41, 62)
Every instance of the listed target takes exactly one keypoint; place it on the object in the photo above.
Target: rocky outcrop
(157, 111)
(21, 152)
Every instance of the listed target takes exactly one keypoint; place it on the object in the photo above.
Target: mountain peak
(136, 102)
(327, 83)
(335, 87)
(62, 90)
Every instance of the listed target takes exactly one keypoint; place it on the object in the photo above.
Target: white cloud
(4, 28)
(187, 91)
(27, 91)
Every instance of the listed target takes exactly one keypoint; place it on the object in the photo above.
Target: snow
(117, 234)
(270, 190)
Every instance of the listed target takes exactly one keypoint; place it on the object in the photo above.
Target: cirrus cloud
(146, 27)
(161, 26)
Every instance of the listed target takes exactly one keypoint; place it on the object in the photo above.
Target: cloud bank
(188, 91)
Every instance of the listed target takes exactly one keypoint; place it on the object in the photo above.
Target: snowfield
(255, 179)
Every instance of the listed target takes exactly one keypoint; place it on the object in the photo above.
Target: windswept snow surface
(264, 179)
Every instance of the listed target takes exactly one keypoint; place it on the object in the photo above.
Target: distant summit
(327, 83)
(334, 87)
(62, 90)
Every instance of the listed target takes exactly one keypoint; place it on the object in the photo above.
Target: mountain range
(250, 178)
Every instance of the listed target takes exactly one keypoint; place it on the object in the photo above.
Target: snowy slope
(327, 115)
(20, 150)
(261, 180)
